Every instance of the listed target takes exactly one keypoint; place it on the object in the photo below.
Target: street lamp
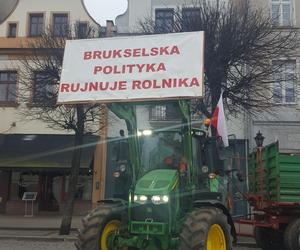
(259, 139)
(260, 171)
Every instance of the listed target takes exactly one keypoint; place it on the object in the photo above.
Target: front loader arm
(127, 112)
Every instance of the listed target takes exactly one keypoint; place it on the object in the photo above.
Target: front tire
(99, 225)
(292, 235)
(206, 229)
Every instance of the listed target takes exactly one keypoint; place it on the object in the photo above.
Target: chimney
(109, 28)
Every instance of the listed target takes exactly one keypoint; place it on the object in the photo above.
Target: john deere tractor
(175, 195)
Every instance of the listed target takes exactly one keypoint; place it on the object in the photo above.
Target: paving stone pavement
(43, 245)
(41, 233)
(35, 245)
(36, 222)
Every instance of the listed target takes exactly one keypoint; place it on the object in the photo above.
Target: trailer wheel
(268, 239)
(292, 235)
(206, 229)
(98, 225)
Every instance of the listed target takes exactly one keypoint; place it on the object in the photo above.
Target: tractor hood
(156, 182)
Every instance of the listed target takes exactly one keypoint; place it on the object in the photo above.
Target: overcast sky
(102, 10)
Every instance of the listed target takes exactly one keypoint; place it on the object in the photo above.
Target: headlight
(142, 199)
(160, 199)
(116, 174)
(204, 169)
(147, 132)
(122, 168)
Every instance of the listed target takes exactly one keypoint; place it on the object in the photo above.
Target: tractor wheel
(206, 229)
(268, 239)
(98, 225)
(292, 235)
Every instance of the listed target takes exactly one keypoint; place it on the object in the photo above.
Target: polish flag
(219, 122)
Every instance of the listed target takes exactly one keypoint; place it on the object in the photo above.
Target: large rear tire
(206, 229)
(292, 235)
(98, 225)
(268, 239)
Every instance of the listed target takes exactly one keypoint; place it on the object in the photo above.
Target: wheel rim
(108, 230)
(216, 238)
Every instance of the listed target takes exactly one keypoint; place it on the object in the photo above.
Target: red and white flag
(219, 122)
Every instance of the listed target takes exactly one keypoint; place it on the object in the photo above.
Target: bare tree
(40, 72)
(241, 46)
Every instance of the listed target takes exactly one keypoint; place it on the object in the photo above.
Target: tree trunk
(70, 197)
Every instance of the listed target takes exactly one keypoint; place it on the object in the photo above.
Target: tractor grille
(149, 211)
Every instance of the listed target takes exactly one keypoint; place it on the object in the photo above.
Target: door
(48, 201)
(239, 188)
(4, 189)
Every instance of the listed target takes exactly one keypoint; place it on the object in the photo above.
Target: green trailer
(281, 178)
(274, 193)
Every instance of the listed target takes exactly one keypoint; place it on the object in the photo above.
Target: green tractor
(174, 198)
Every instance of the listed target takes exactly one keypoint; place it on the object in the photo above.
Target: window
(43, 90)
(190, 18)
(284, 82)
(84, 187)
(12, 30)
(22, 182)
(82, 30)
(164, 113)
(164, 20)
(282, 12)
(8, 83)
(60, 24)
(36, 26)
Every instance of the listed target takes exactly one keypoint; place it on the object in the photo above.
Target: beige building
(33, 157)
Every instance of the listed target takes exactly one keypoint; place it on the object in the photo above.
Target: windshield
(161, 150)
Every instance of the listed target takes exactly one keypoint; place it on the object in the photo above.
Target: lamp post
(259, 140)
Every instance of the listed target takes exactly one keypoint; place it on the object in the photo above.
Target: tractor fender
(113, 201)
(220, 205)
(116, 201)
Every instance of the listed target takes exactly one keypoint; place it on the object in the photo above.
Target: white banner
(133, 68)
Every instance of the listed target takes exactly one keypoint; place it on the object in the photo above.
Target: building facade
(282, 123)
(162, 14)
(33, 156)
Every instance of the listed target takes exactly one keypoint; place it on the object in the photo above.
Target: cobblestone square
(50, 245)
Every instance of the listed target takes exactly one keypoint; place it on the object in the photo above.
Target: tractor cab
(161, 150)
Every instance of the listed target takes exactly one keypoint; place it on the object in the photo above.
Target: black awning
(43, 151)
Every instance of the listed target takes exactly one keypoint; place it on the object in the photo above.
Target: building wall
(76, 10)
(10, 52)
(282, 122)
(139, 10)
(129, 22)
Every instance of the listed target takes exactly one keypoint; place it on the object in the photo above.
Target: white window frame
(292, 12)
(283, 84)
